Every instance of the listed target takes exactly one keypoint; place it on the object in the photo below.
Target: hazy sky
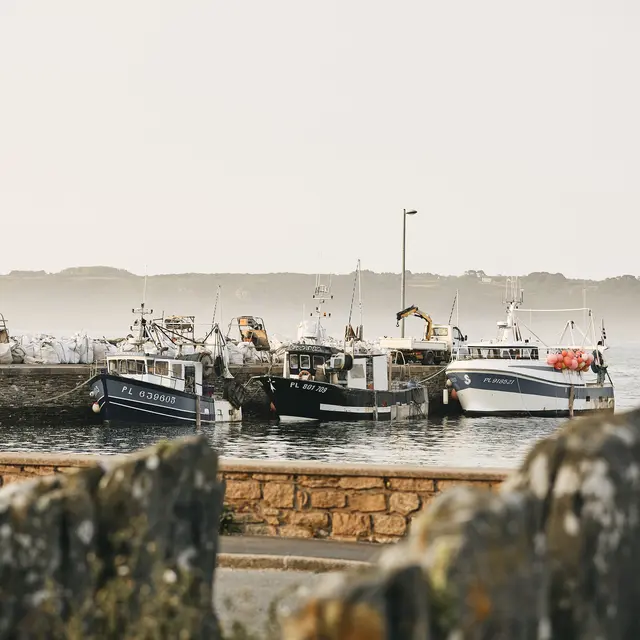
(261, 136)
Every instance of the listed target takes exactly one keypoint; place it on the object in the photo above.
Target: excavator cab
(252, 329)
(414, 311)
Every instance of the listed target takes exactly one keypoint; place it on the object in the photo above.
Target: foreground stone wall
(122, 551)
(554, 553)
(305, 500)
(341, 502)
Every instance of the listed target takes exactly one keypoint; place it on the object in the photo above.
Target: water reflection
(459, 441)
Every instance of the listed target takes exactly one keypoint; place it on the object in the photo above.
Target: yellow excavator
(414, 311)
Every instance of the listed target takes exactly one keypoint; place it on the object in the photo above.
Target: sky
(211, 136)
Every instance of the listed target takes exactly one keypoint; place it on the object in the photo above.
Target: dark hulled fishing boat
(323, 383)
(150, 388)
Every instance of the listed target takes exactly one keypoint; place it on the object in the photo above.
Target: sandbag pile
(45, 349)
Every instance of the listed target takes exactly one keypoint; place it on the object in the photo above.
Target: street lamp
(404, 245)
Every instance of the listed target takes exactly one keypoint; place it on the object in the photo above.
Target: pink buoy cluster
(569, 359)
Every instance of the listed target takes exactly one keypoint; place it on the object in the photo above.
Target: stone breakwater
(303, 500)
(553, 553)
(37, 392)
(115, 551)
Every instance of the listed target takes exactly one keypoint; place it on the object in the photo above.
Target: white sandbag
(29, 348)
(17, 353)
(249, 353)
(51, 353)
(70, 353)
(31, 360)
(84, 348)
(102, 349)
(5, 354)
(235, 357)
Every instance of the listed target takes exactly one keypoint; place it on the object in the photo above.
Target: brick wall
(303, 500)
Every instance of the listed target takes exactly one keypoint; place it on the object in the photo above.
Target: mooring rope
(66, 393)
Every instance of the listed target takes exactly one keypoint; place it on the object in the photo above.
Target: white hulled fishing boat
(518, 375)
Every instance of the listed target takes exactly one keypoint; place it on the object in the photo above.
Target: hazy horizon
(322, 273)
(100, 302)
(211, 137)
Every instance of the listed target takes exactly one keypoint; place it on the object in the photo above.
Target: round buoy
(454, 394)
(95, 407)
(272, 407)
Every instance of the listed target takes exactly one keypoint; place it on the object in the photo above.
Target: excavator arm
(414, 311)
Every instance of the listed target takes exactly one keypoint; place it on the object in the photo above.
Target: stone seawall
(303, 499)
(44, 393)
(29, 392)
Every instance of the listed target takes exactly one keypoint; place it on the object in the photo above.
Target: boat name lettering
(309, 387)
(499, 380)
(307, 347)
(159, 397)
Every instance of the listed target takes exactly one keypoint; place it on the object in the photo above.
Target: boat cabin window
(113, 366)
(151, 369)
(162, 368)
(305, 361)
(176, 371)
(358, 371)
(441, 331)
(318, 361)
(293, 361)
(122, 366)
(135, 367)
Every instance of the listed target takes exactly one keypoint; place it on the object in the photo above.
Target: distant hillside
(100, 299)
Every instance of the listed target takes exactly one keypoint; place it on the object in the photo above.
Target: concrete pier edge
(286, 563)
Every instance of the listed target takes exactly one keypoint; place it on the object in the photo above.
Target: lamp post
(405, 213)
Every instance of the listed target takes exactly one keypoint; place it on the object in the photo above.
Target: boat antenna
(453, 306)
(349, 333)
(143, 333)
(213, 319)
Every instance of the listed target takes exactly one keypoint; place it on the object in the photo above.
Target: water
(452, 441)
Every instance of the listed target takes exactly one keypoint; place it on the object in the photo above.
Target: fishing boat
(150, 388)
(321, 382)
(518, 375)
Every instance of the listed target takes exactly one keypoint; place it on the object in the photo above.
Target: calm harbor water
(451, 441)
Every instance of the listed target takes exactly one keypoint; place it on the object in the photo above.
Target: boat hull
(298, 400)
(121, 399)
(510, 388)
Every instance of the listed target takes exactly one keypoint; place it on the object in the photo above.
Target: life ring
(304, 375)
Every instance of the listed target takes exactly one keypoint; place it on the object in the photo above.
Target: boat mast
(321, 294)
(143, 334)
(361, 325)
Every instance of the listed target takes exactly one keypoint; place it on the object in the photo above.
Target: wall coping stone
(285, 467)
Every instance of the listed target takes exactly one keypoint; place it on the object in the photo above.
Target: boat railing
(496, 351)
